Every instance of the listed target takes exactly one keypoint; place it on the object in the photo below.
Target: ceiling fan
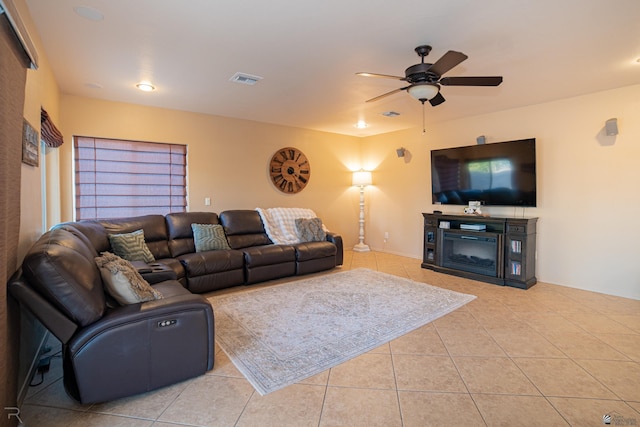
(425, 79)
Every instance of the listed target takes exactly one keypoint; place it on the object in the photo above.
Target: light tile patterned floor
(548, 356)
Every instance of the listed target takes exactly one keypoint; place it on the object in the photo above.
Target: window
(115, 178)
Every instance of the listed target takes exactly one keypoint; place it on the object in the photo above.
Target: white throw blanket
(280, 223)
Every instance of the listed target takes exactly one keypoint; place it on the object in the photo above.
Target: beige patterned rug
(282, 334)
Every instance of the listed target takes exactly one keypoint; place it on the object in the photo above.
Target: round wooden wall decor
(289, 170)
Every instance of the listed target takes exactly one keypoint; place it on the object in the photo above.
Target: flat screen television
(497, 174)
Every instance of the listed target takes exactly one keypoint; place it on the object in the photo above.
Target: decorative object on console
(361, 179)
(289, 170)
(473, 208)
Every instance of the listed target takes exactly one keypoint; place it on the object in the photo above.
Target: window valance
(49, 132)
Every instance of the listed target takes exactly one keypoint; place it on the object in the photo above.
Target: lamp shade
(362, 178)
(423, 91)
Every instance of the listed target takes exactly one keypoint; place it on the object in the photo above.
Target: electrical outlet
(207, 201)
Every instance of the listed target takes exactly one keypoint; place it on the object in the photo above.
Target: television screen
(498, 174)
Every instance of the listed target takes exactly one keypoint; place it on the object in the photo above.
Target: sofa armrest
(336, 239)
(133, 313)
(52, 319)
(154, 272)
(140, 347)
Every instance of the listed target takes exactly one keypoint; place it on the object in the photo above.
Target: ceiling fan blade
(437, 100)
(387, 76)
(447, 62)
(471, 81)
(386, 94)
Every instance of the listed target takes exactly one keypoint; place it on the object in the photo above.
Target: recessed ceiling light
(89, 13)
(390, 114)
(361, 124)
(146, 86)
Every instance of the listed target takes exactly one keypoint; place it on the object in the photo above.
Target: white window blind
(117, 178)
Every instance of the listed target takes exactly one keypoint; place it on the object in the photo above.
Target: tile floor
(548, 356)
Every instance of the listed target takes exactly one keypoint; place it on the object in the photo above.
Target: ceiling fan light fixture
(423, 91)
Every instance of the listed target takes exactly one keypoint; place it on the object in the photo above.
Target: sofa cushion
(123, 282)
(181, 233)
(257, 256)
(244, 228)
(203, 263)
(313, 250)
(131, 246)
(60, 267)
(310, 230)
(209, 237)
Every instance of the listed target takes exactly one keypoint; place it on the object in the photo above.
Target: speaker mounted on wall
(611, 127)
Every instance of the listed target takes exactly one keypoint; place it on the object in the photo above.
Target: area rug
(282, 334)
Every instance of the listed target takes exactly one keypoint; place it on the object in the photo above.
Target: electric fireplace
(475, 252)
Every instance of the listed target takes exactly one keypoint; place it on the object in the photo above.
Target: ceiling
(308, 54)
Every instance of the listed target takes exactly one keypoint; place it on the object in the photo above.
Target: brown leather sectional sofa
(115, 351)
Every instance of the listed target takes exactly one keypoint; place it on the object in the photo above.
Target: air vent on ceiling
(391, 114)
(244, 78)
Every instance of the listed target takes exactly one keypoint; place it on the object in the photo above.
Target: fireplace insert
(475, 252)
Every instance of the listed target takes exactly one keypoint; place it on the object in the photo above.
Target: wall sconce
(361, 179)
(400, 151)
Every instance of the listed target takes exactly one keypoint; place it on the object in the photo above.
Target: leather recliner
(111, 352)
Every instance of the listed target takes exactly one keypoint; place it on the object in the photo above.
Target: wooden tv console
(503, 253)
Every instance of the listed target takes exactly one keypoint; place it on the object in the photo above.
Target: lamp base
(361, 247)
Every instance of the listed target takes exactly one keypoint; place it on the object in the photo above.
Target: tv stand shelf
(503, 253)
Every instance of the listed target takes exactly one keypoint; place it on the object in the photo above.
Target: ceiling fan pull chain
(424, 130)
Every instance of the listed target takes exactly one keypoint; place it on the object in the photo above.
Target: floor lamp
(361, 179)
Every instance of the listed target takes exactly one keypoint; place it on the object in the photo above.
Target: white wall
(588, 186)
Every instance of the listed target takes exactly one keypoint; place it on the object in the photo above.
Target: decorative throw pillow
(310, 230)
(209, 237)
(131, 246)
(123, 282)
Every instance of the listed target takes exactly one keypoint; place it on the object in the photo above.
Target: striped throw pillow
(131, 246)
(209, 237)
